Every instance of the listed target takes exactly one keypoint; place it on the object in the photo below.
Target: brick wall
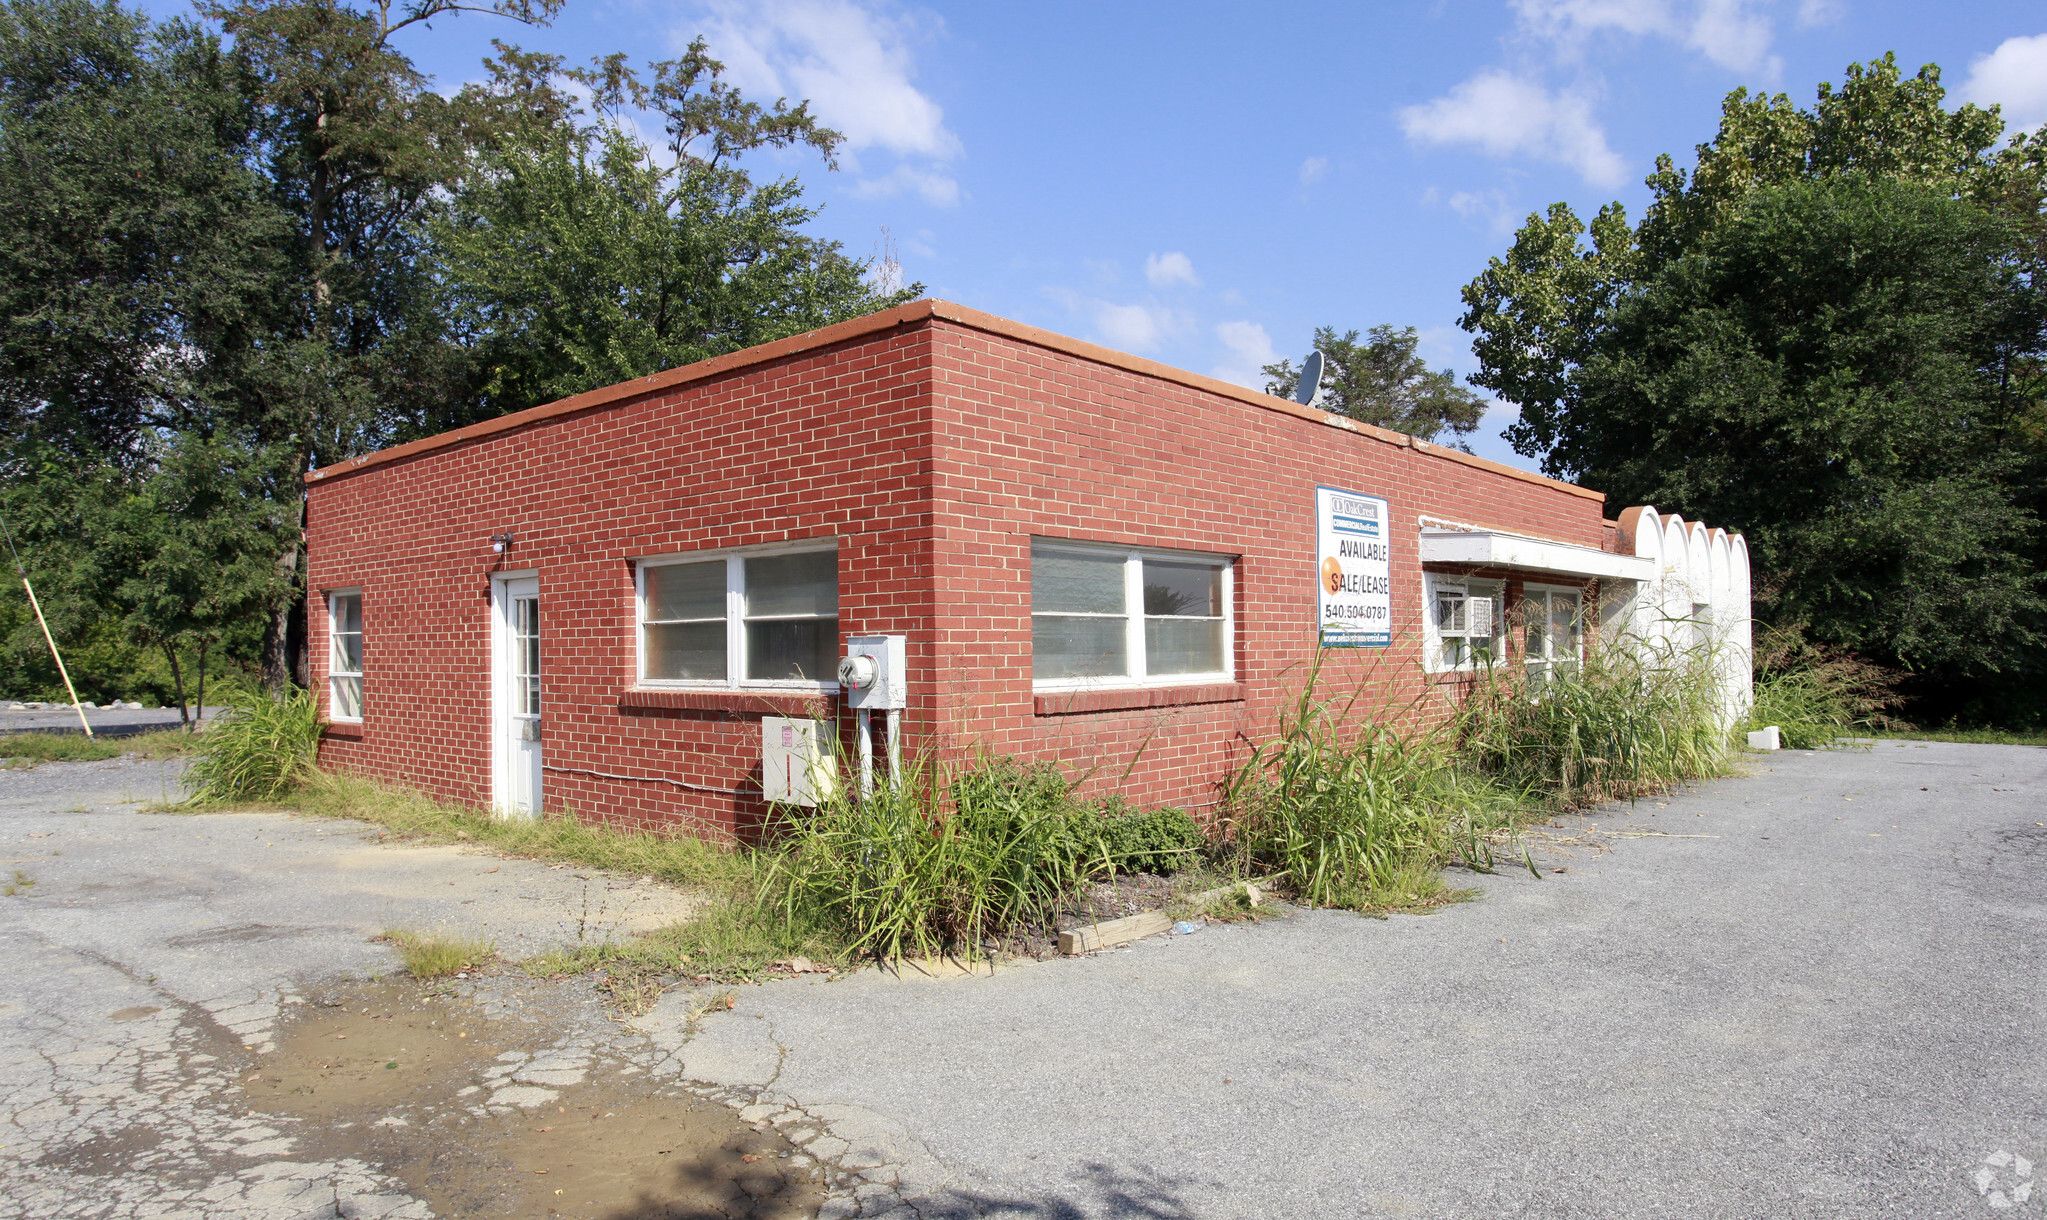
(1048, 443)
(934, 444)
(829, 443)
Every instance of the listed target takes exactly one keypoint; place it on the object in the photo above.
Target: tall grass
(1815, 694)
(1629, 720)
(1356, 815)
(30, 749)
(258, 750)
(945, 860)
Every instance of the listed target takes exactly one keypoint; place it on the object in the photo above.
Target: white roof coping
(1493, 549)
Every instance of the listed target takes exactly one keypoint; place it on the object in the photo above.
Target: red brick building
(592, 604)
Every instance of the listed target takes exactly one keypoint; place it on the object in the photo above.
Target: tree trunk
(279, 664)
(199, 712)
(177, 683)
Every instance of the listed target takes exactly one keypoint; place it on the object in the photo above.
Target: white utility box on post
(796, 765)
(874, 677)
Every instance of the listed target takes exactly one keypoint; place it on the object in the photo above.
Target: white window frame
(1539, 668)
(335, 675)
(1134, 616)
(735, 620)
(1435, 584)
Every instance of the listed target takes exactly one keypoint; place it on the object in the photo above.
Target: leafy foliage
(226, 262)
(1383, 382)
(1632, 719)
(1358, 815)
(259, 750)
(1815, 695)
(1828, 334)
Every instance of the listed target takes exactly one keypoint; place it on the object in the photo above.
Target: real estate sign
(1354, 583)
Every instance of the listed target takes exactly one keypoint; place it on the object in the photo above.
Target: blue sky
(1204, 184)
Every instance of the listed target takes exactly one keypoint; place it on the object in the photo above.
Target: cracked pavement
(151, 959)
(1813, 991)
(1819, 990)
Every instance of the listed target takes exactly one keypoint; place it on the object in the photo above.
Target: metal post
(863, 728)
(895, 747)
(47, 637)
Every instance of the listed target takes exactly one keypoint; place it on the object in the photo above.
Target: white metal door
(516, 724)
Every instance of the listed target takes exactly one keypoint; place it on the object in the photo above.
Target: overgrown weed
(1815, 694)
(258, 749)
(432, 956)
(946, 860)
(1362, 816)
(1631, 719)
(18, 750)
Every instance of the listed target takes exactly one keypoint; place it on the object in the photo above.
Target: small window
(344, 656)
(1556, 632)
(741, 620)
(1117, 617)
(1463, 622)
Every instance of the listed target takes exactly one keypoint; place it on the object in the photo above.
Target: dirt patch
(476, 1120)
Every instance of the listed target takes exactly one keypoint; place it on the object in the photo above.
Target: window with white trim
(756, 618)
(1105, 616)
(1462, 623)
(1555, 622)
(344, 655)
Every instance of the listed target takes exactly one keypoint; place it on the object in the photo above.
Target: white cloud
(1249, 348)
(1570, 22)
(1734, 34)
(855, 67)
(1313, 170)
(1506, 115)
(936, 187)
(1491, 208)
(1172, 267)
(1133, 328)
(1813, 13)
(2013, 76)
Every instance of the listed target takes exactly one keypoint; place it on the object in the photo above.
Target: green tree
(358, 149)
(1382, 381)
(138, 272)
(575, 256)
(135, 240)
(1828, 335)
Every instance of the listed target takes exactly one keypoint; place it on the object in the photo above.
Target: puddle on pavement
(389, 1072)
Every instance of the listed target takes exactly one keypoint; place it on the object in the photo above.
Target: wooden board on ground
(1136, 927)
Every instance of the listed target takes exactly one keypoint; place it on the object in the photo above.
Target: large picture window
(1103, 617)
(1463, 622)
(753, 619)
(344, 655)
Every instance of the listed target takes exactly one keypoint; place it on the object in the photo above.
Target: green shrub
(258, 750)
(944, 862)
(1815, 694)
(1628, 721)
(1357, 816)
(936, 862)
(1162, 841)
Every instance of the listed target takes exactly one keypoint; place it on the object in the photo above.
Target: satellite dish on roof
(1309, 390)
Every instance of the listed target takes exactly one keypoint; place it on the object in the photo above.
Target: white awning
(1496, 550)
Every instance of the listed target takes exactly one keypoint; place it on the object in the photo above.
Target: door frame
(501, 702)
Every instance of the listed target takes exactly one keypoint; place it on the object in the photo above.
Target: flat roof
(911, 314)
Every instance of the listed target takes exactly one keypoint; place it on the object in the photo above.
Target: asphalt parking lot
(1816, 990)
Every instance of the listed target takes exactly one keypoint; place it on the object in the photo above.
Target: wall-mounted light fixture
(501, 542)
